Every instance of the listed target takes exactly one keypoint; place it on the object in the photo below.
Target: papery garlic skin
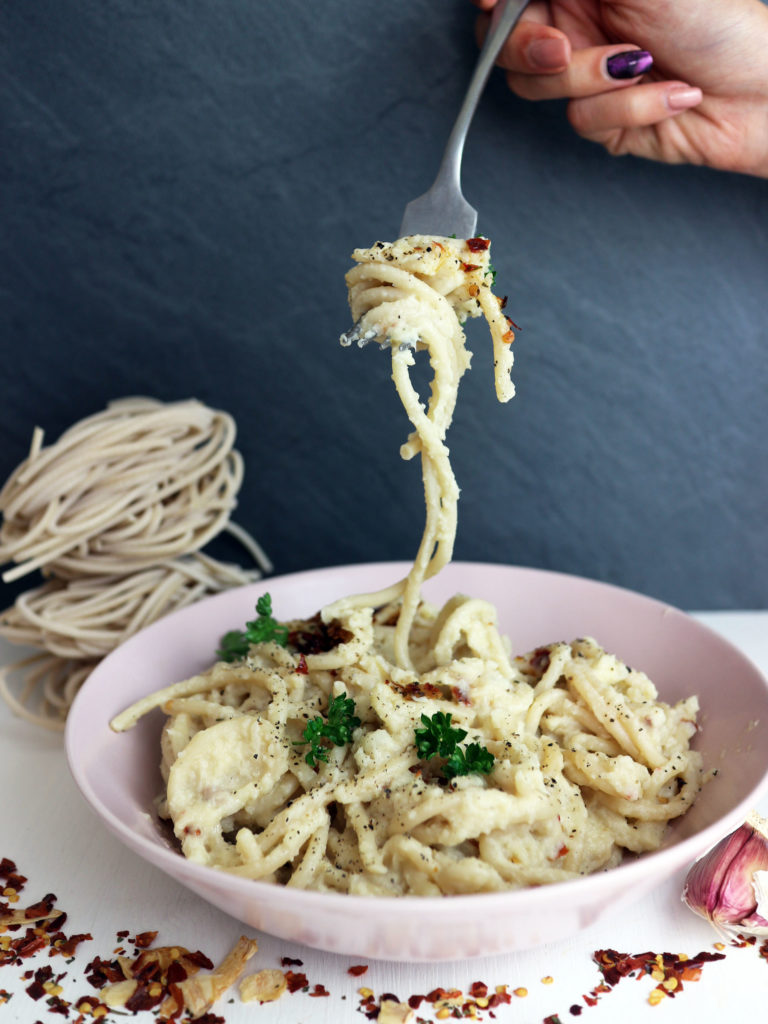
(729, 884)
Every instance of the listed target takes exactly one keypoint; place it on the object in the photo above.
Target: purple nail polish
(630, 64)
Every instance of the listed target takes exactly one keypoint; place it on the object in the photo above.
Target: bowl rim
(631, 870)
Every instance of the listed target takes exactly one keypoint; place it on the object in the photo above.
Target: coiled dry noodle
(137, 483)
(114, 513)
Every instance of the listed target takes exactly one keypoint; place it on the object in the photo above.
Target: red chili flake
(146, 968)
(460, 696)
(478, 244)
(415, 1002)
(58, 1005)
(295, 981)
(414, 690)
(210, 1018)
(319, 990)
(84, 1001)
(30, 944)
(10, 874)
(357, 969)
(289, 961)
(176, 972)
(122, 934)
(389, 996)
(142, 1000)
(469, 267)
(68, 946)
(199, 960)
(436, 994)
(144, 939)
(575, 1010)
(35, 990)
(498, 998)
(103, 972)
(552, 1019)
(478, 990)
(55, 925)
(561, 852)
(302, 668)
(42, 908)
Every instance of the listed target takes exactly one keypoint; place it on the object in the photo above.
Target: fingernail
(629, 64)
(548, 54)
(680, 97)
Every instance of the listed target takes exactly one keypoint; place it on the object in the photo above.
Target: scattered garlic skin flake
(395, 1013)
(117, 995)
(728, 885)
(200, 993)
(264, 986)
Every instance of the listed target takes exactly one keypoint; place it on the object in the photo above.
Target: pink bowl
(119, 777)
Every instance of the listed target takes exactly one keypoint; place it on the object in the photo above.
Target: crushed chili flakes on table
(669, 970)
(167, 981)
(445, 1003)
(164, 979)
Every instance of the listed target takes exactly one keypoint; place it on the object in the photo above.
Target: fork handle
(504, 18)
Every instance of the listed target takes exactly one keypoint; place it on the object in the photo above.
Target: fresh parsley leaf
(492, 272)
(313, 734)
(337, 729)
(475, 759)
(439, 738)
(236, 644)
(342, 720)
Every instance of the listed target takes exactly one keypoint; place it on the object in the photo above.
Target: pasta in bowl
(377, 753)
(679, 654)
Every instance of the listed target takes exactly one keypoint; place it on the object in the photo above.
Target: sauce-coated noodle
(587, 762)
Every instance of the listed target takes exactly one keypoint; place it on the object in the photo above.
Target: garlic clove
(758, 921)
(728, 885)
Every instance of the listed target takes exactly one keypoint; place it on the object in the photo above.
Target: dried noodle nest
(114, 514)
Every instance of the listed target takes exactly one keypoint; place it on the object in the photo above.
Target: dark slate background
(182, 184)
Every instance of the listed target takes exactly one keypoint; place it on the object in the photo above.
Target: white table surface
(55, 840)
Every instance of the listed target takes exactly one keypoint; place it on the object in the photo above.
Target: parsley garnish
(473, 759)
(492, 271)
(439, 738)
(337, 728)
(236, 644)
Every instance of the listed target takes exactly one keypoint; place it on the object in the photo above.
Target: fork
(443, 210)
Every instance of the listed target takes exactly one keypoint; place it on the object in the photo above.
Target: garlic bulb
(729, 884)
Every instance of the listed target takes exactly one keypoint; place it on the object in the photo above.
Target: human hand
(682, 81)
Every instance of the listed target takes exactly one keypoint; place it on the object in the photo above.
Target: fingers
(533, 46)
(589, 72)
(596, 117)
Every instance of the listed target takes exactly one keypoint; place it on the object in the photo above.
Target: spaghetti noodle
(580, 760)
